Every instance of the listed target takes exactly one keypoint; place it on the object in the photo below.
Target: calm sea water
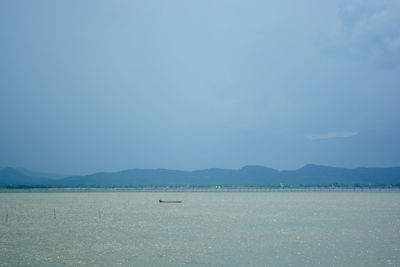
(207, 229)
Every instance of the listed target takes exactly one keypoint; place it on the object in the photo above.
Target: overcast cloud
(91, 86)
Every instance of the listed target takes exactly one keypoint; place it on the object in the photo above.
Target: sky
(88, 86)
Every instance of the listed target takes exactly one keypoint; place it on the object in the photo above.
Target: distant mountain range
(246, 176)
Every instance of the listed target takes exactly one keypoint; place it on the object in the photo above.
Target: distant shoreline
(249, 176)
(213, 189)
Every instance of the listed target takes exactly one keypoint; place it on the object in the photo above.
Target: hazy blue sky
(91, 86)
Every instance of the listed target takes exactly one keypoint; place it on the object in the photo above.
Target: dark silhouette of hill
(246, 176)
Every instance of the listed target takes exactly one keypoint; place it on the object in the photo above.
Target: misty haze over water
(202, 95)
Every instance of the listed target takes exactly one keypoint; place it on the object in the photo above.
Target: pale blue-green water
(207, 229)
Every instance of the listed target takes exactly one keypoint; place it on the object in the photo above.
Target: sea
(206, 229)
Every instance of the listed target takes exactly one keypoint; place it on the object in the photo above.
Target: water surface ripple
(207, 229)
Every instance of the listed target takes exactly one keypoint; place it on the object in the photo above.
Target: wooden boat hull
(170, 201)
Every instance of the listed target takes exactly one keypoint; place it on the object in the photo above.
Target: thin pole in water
(54, 210)
(6, 215)
(99, 215)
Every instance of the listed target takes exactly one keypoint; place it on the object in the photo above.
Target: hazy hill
(41, 174)
(248, 175)
(12, 176)
(316, 174)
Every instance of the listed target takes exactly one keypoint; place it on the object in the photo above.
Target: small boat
(170, 201)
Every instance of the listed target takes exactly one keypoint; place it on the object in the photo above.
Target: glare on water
(206, 229)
